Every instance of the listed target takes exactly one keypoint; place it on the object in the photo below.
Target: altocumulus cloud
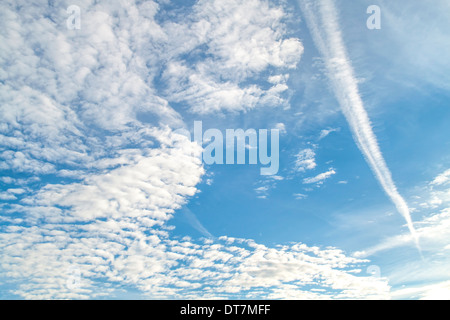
(93, 172)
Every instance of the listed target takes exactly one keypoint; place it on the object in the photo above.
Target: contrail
(322, 21)
(195, 223)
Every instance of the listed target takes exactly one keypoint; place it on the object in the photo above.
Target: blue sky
(101, 198)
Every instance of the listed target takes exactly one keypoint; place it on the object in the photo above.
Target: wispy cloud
(282, 127)
(195, 223)
(242, 40)
(433, 229)
(323, 24)
(136, 252)
(442, 179)
(320, 178)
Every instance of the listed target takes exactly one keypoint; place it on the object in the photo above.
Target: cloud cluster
(226, 48)
(92, 171)
(306, 160)
(103, 256)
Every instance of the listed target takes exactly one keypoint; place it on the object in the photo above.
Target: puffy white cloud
(83, 107)
(262, 192)
(281, 126)
(325, 132)
(7, 196)
(306, 160)
(66, 91)
(125, 251)
(229, 45)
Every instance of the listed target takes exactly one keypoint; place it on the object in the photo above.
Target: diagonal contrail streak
(322, 21)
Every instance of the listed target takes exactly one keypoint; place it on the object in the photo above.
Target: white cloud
(82, 105)
(63, 89)
(300, 196)
(433, 231)
(17, 191)
(242, 39)
(276, 178)
(306, 160)
(262, 192)
(281, 127)
(195, 223)
(101, 77)
(442, 179)
(66, 93)
(325, 132)
(267, 184)
(7, 196)
(278, 79)
(320, 178)
(126, 251)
